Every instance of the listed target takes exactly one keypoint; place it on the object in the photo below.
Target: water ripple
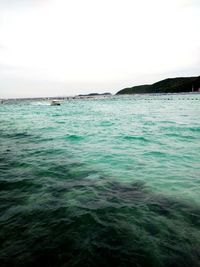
(108, 182)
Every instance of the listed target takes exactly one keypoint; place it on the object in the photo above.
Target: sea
(100, 181)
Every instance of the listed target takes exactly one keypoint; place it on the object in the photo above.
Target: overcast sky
(68, 47)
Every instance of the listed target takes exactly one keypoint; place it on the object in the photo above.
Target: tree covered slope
(170, 85)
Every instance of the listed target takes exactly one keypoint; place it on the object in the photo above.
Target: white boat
(55, 103)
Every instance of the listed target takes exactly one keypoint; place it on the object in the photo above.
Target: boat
(55, 103)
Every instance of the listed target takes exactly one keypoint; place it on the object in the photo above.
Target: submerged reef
(87, 222)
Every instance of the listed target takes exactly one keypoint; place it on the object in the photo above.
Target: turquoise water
(101, 182)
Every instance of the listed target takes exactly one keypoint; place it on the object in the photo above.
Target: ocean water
(101, 182)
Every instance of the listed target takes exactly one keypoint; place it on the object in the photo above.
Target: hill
(170, 85)
(96, 94)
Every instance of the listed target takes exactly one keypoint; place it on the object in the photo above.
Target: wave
(136, 138)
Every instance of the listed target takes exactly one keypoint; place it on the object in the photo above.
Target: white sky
(68, 47)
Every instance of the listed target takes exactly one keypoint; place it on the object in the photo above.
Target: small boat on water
(55, 103)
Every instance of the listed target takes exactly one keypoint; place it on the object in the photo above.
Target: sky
(70, 47)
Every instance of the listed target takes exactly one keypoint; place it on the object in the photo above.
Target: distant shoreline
(167, 86)
(92, 97)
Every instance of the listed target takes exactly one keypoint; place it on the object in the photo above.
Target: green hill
(170, 85)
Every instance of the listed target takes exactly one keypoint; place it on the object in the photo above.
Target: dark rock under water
(85, 223)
